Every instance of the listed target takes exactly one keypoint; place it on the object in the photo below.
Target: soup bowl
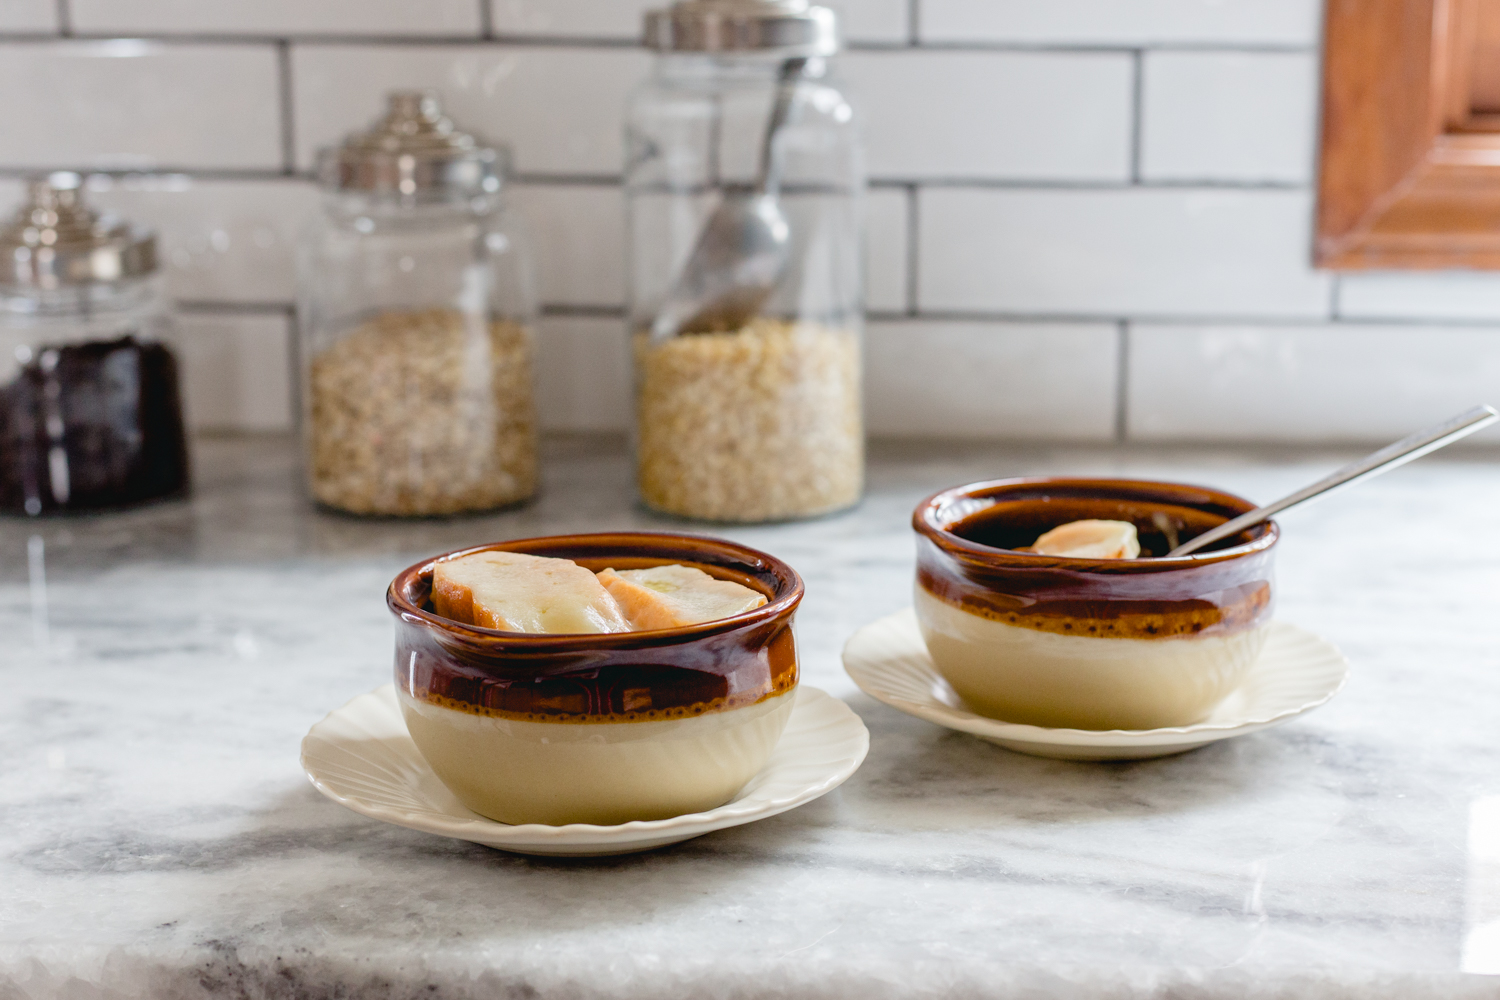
(1058, 641)
(600, 728)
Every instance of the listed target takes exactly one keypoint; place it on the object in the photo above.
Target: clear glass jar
(90, 407)
(417, 324)
(747, 363)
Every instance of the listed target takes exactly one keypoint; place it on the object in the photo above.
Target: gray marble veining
(157, 838)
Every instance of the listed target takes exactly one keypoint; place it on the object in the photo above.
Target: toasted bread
(673, 596)
(521, 593)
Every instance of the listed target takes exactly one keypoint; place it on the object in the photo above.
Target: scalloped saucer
(361, 757)
(1296, 672)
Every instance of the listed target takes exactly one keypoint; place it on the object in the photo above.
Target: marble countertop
(158, 839)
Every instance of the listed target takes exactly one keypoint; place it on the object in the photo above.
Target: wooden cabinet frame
(1410, 172)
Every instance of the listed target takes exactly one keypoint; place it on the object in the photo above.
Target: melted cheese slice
(521, 593)
(673, 596)
(1090, 540)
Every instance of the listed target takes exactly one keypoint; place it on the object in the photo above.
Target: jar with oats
(744, 184)
(416, 318)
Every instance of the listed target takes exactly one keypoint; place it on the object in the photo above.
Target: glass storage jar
(416, 319)
(744, 183)
(90, 409)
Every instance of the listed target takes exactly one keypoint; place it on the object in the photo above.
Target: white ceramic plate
(361, 757)
(1295, 673)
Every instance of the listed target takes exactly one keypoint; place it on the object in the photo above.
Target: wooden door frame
(1407, 179)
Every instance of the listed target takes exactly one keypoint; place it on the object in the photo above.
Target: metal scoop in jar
(742, 250)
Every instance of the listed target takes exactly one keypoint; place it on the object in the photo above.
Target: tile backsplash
(1088, 220)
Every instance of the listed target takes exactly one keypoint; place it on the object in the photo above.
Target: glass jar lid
(414, 150)
(56, 240)
(784, 27)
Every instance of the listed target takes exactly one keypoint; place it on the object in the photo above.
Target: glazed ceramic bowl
(528, 728)
(1054, 641)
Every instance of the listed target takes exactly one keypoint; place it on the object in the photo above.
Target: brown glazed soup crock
(600, 728)
(1090, 643)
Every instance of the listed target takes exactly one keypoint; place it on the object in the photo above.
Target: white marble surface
(157, 838)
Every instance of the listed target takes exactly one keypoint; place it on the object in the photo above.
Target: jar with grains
(416, 317)
(744, 185)
(90, 407)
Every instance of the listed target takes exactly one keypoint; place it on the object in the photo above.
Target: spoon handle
(1385, 459)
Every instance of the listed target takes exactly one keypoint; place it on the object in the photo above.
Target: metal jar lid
(415, 150)
(55, 240)
(785, 27)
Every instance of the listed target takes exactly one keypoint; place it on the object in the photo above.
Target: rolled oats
(761, 424)
(425, 412)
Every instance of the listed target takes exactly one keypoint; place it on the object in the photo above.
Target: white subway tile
(1335, 382)
(1127, 252)
(218, 240)
(277, 17)
(1228, 116)
(860, 20)
(583, 374)
(560, 109)
(1418, 295)
(1117, 22)
(887, 231)
(1028, 115)
(613, 19)
(134, 104)
(1055, 381)
(578, 238)
(28, 16)
(875, 21)
(236, 371)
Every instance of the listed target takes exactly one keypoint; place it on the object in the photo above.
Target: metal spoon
(742, 250)
(1384, 460)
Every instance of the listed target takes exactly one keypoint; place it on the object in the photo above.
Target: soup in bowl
(601, 727)
(1090, 643)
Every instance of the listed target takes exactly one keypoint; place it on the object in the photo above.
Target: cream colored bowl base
(1295, 672)
(1044, 679)
(362, 757)
(515, 771)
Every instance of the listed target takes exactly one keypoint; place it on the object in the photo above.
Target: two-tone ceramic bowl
(606, 728)
(1056, 641)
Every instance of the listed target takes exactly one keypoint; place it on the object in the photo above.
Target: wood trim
(1410, 175)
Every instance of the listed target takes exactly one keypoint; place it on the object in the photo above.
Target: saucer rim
(576, 838)
(1195, 735)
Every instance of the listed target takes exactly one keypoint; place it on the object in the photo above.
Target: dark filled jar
(90, 409)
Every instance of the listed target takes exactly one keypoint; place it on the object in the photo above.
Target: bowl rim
(924, 522)
(784, 603)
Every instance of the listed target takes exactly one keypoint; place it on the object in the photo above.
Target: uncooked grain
(423, 412)
(761, 424)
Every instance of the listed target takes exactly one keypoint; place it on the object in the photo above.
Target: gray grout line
(213, 307)
(1053, 184)
(560, 309)
(1122, 382)
(403, 41)
(616, 180)
(913, 273)
(64, 18)
(1122, 47)
(486, 20)
(608, 42)
(1137, 113)
(563, 310)
(294, 370)
(288, 122)
(913, 23)
(1335, 288)
(192, 173)
(569, 180)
